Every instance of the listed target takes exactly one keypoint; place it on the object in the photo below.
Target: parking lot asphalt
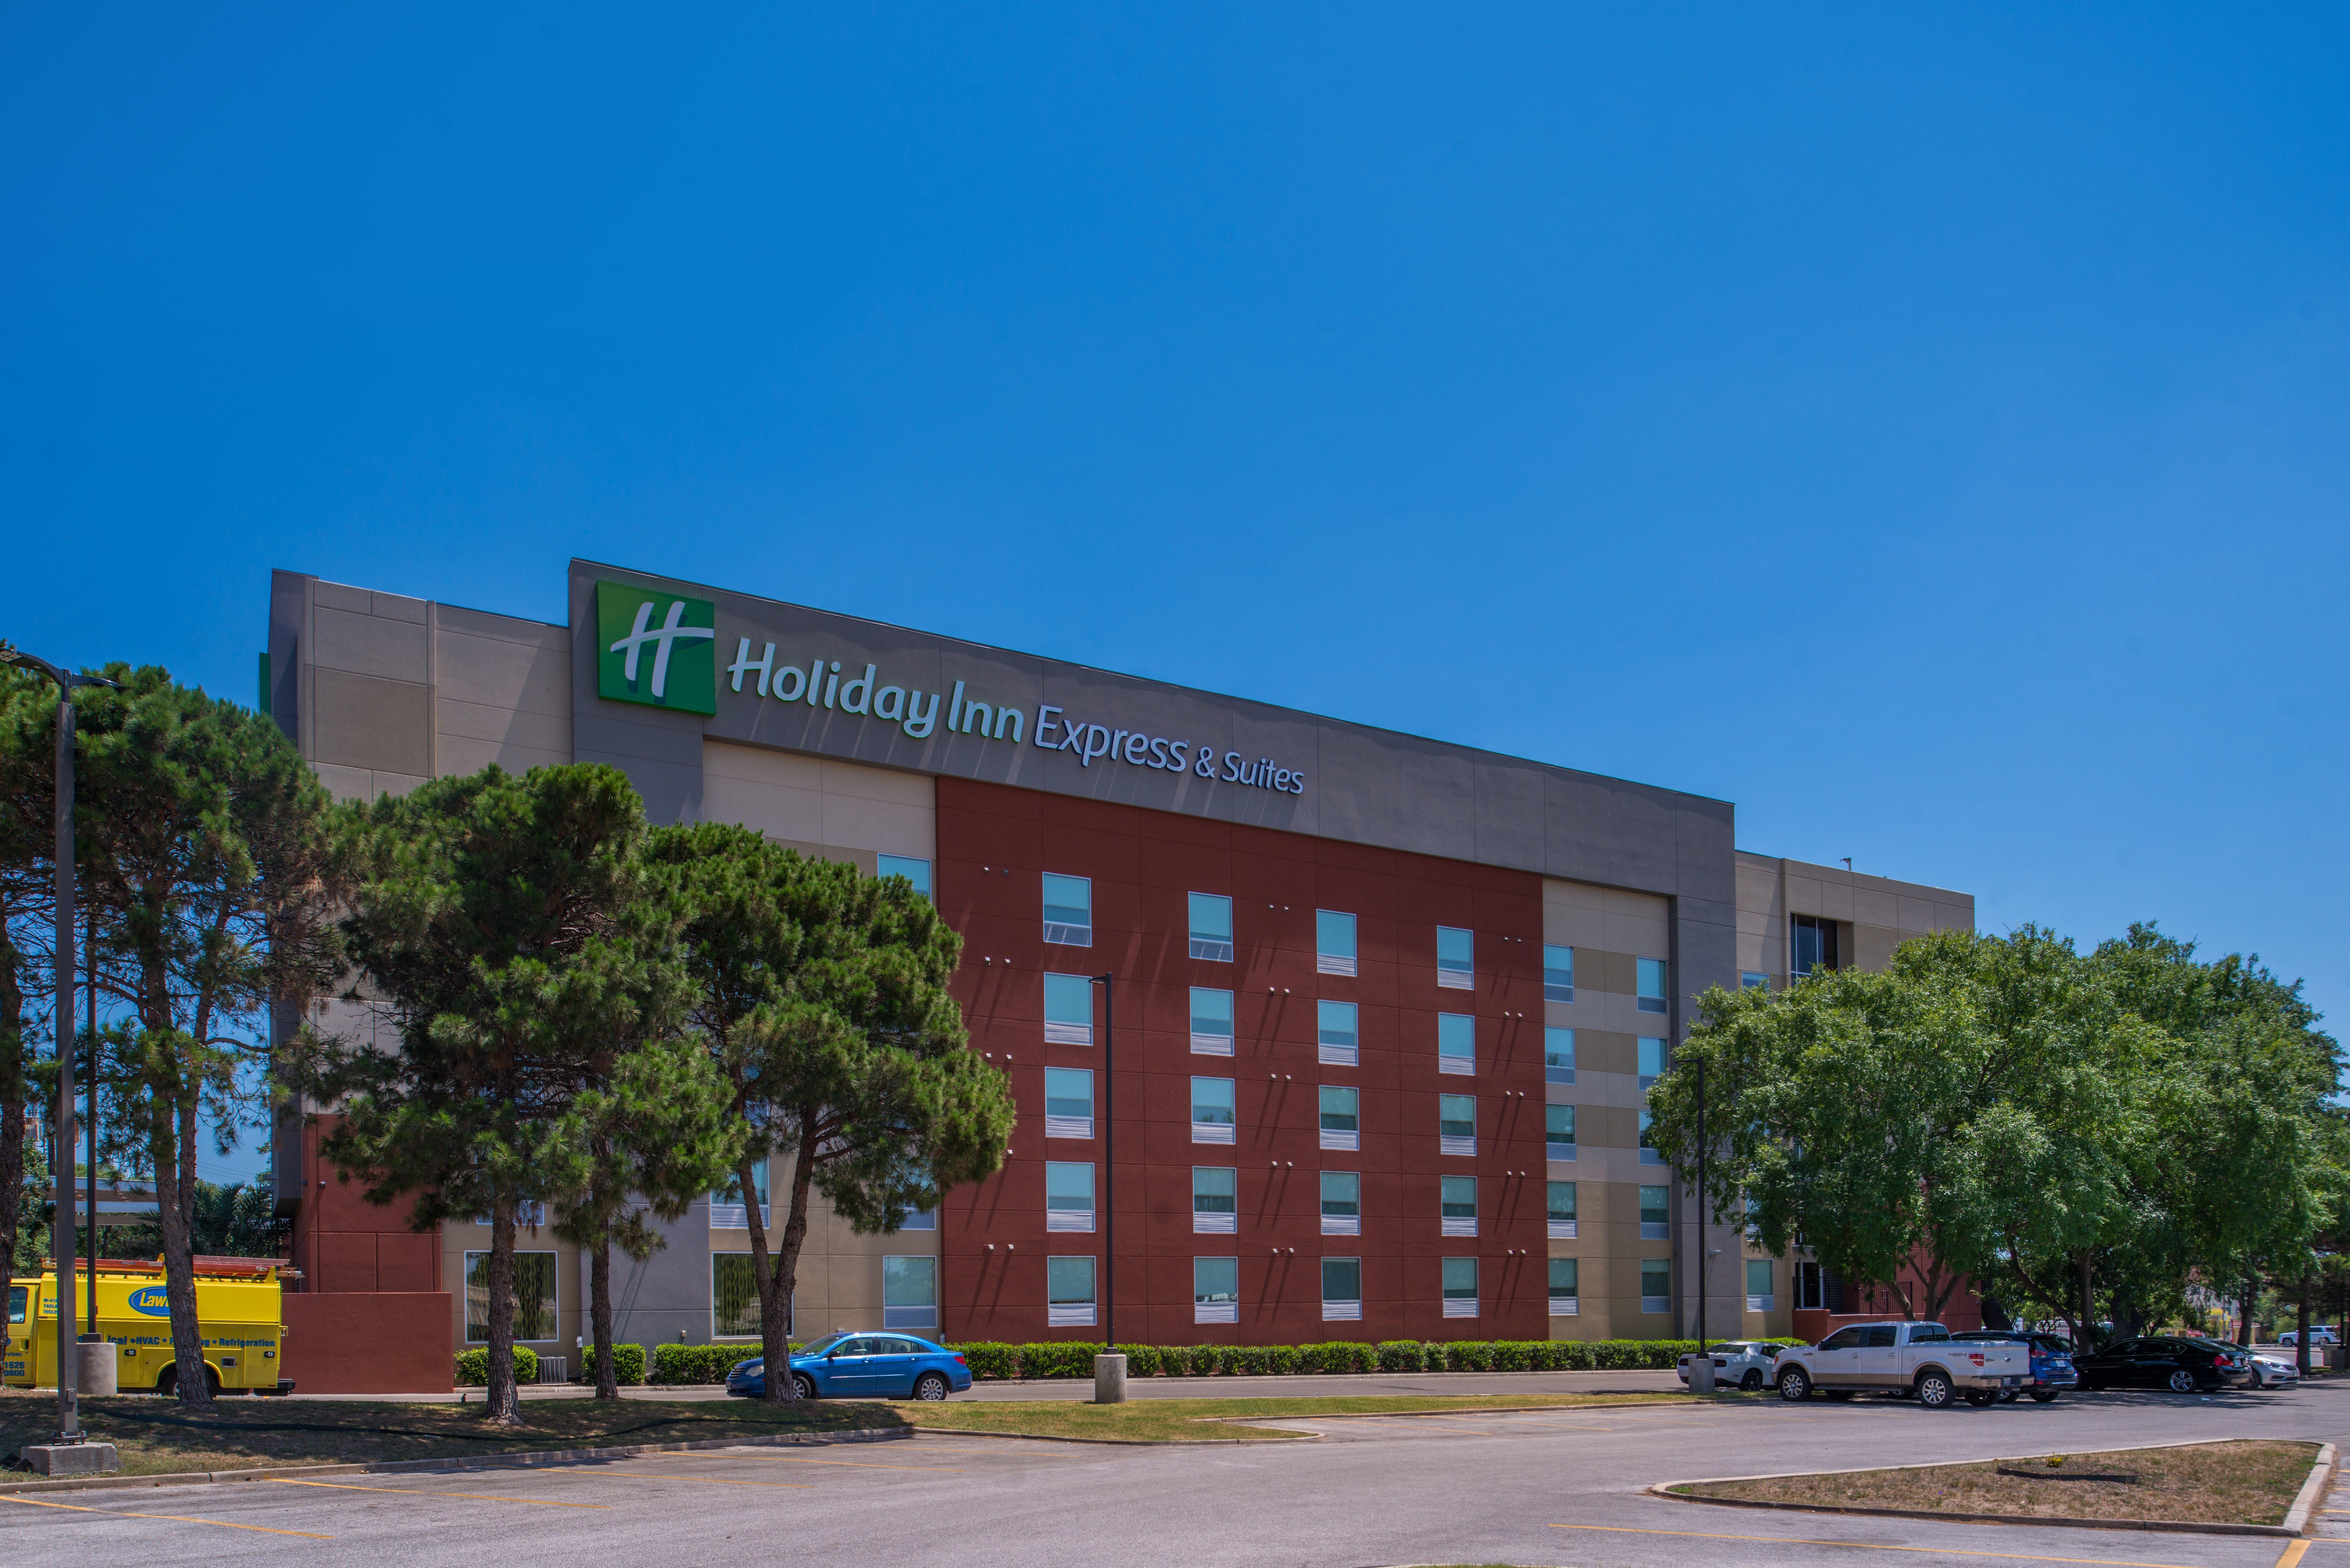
(1560, 1487)
(1177, 1387)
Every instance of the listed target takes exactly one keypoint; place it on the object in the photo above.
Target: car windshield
(819, 1346)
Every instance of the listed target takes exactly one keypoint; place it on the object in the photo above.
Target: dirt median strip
(2172, 1471)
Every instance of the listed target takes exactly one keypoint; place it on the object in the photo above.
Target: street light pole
(89, 1177)
(1108, 982)
(61, 1228)
(1700, 1206)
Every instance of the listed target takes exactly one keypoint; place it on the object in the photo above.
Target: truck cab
(236, 1313)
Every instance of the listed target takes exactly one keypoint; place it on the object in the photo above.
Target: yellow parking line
(852, 1464)
(173, 1518)
(2291, 1553)
(419, 1491)
(722, 1480)
(1880, 1546)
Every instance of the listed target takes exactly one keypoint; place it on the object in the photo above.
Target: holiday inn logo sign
(656, 649)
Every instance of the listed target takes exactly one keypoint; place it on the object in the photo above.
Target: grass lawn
(2206, 1483)
(154, 1436)
(1209, 1420)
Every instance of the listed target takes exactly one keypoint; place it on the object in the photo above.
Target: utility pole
(89, 1177)
(1700, 1208)
(62, 1227)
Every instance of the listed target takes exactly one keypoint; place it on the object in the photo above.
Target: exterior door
(891, 1368)
(1876, 1361)
(848, 1369)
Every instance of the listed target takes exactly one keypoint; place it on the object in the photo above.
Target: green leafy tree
(821, 995)
(509, 938)
(207, 869)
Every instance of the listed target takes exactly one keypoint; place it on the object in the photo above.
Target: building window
(530, 1213)
(1812, 943)
(1211, 928)
(1333, 943)
(1758, 1286)
(909, 1290)
(1564, 1300)
(1458, 1198)
(534, 1298)
(1460, 1287)
(1068, 1010)
(733, 1297)
(1339, 1023)
(1651, 984)
(1213, 1115)
(1069, 1293)
(1558, 1131)
(1562, 1211)
(1753, 1218)
(1650, 1153)
(1656, 1285)
(1456, 1124)
(1069, 910)
(1456, 1043)
(1215, 1290)
(1342, 1203)
(1753, 979)
(1068, 1196)
(1652, 1059)
(1558, 974)
(1656, 1214)
(1456, 965)
(920, 1220)
(1558, 1055)
(1342, 1289)
(918, 872)
(728, 1211)
(1068, 1102)
(1215, 1199)
(1211, 1021)
(1341, 1120)
(1809, 1296)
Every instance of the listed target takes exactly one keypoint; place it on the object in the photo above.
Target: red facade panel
(344, 1244)
(995, 844)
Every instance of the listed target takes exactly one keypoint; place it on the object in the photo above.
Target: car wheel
(167, 1382)
(2010, 1395)
(2182, 1382)
(1934, 1390)
(2039, 1397)
(930, 1387)
(804, 1384)
(1794, 1384)
(1753, 1380)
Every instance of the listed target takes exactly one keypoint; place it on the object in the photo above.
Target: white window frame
(1073, 1315)
(1210, 1222)
(716, 1253)
(1063, 1032)
(1334, 962)
(1215, 1132)
(1457, 1062)
(1338, 1309)
(1074, 1221)
(1656, 1229)
(1345, 1140)
(895, 865)
(910, 1317)
(1452, 1144)
(1204, 1310)
(1560, 1230)
(1550, 1148)
(1066, 1125)
(1456, 979)
(1461, 1307)
(1333, 1054)
(1660, 1000)
(1340, 1224)
(1209, 1044)
(1558, 992)
(1064, 934)
(1210, 949)
(555, 1311)
(1456, 1224)
(1566, 1305)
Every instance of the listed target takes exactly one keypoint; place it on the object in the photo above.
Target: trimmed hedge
(1076, 1358)
(474, 1367)
(679, 1365)
(628, 1365)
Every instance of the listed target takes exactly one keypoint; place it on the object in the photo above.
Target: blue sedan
(862, 1366)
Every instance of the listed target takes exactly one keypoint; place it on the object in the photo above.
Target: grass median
(155, 1437)
(2245, 1482)
(1212, 1421)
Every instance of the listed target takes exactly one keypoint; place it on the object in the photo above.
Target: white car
(2321, 1335)
(2273, 1372)
(1739, 1363)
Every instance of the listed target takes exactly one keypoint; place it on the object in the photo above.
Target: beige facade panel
(367, 722)
(368, 645)
(811, 801)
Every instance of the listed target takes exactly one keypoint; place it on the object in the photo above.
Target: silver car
(1739, 1363)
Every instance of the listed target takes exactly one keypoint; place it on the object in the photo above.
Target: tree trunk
(194, 1383)
(12, 1102)
(504, 1399)
(2250, 1289)
(2086, 1325)
(776, 1277)
(2300, 1338)
(599, 1312)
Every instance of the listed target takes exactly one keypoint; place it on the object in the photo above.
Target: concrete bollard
(1702, 1374)
(97, 1368)
(71, 1459)
(1109, 1379)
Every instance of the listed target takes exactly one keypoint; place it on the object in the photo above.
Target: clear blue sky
(1925, 428)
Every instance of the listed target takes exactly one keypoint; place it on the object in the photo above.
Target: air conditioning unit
(553, 1369)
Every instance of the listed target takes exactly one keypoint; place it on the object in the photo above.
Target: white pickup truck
(1902, 1358)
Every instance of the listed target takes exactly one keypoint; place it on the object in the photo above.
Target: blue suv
(2053, 1371)
(862, 1366)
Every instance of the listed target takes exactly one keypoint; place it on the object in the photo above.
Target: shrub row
(628, 1365)
(689, 1364)
(1076, 1358)
(474, 1367)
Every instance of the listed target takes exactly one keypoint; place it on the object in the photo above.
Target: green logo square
(656, 649)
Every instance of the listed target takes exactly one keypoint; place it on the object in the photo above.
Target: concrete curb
(1124, 1442)
(2297, 1519)
(470, 1462)
(1295, 1436)
(1639, 1404)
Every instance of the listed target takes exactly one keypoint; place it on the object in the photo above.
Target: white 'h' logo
(666, 634)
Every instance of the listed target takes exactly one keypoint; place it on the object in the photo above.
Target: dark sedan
(2181, 1364)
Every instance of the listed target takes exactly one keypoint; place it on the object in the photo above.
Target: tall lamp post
(1108, 982)
(62, 1227)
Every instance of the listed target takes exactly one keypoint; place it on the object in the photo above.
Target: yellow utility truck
(236, 1310)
